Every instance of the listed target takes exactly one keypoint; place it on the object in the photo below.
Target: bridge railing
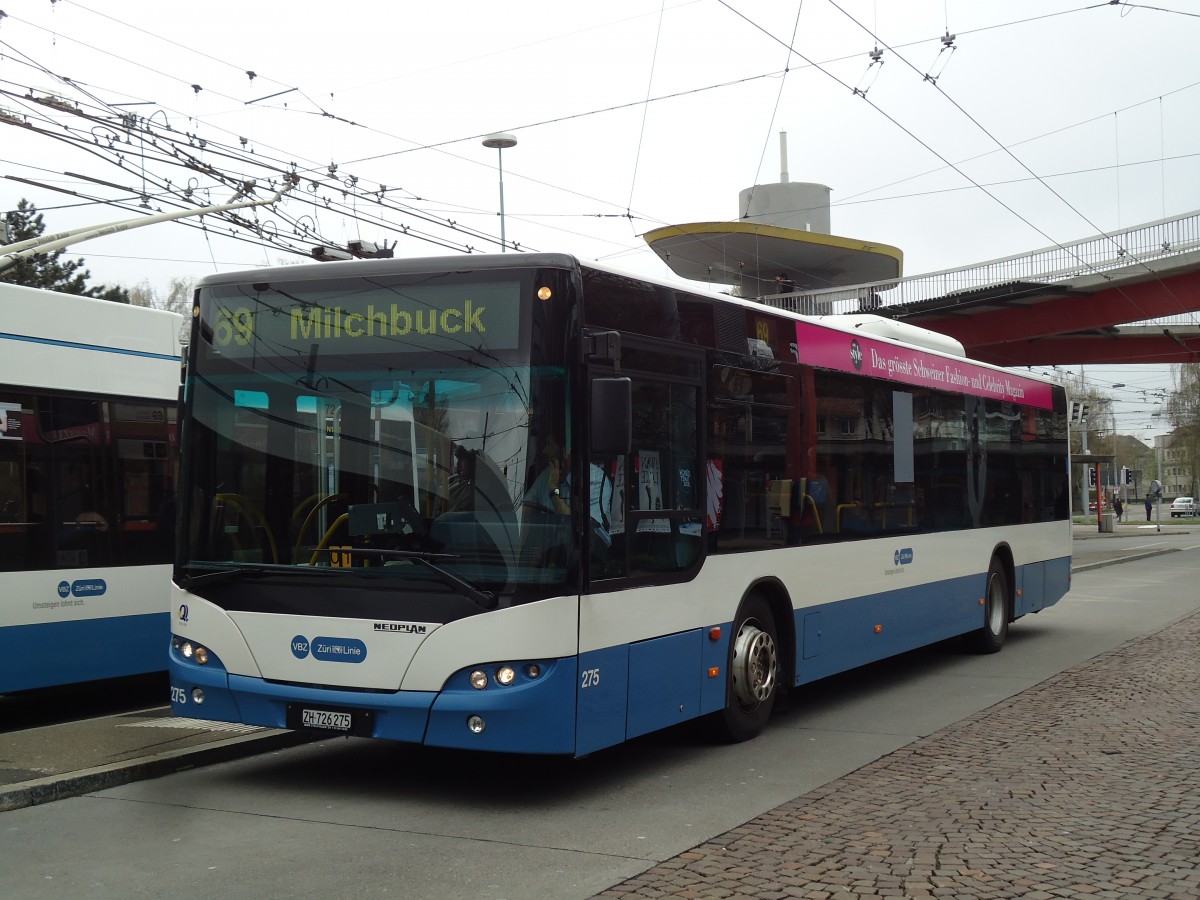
(1138, 246)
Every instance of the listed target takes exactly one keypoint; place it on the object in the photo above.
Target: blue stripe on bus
(1042, 584)
(664, 682)
(94, 347)
(253, 701)
(528, 717)
(42, 655)
(603, 699)
(836, 637)
(534, 718)
(611, 694)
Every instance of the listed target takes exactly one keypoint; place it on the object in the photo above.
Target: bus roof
(68, 342)
(877, 327)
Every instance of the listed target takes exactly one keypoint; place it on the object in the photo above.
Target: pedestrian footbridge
(1128, 297)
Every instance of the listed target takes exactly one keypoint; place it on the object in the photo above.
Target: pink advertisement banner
(858, 354)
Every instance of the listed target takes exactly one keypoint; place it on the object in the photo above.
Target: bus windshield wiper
(222, 571)
(485, 599)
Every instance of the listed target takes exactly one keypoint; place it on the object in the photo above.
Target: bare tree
(177, 298)
(1183, 412)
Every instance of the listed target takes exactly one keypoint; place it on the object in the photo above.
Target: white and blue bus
(522, 503)
(88, 394)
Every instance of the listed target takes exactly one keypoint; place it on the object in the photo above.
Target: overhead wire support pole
(14, 253)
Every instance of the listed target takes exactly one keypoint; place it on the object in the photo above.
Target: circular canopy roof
(763, 258)
(501, 141)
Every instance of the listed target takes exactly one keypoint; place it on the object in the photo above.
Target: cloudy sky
(985, 129)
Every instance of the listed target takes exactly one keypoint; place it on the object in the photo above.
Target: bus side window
(662, 479)
(748, 442)
(17, 483)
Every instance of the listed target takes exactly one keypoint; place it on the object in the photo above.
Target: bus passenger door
(650, 503)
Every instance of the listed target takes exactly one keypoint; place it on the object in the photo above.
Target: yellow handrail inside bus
(308, 519)
(254, 517)
(807, 498)
(324, 544)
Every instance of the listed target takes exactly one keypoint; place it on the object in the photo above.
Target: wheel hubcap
(996, 604)
(754, 665)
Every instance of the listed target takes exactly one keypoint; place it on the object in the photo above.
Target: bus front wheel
(753, 672)
(990, 638)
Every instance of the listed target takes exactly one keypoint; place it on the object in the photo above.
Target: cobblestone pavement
(1087, 785)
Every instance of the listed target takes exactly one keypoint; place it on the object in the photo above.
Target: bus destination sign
(374, 320)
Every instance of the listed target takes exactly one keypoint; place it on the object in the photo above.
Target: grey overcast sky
(987, 129)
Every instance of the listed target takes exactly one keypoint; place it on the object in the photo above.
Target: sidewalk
(1104, 548)
(39, 765)
(1132, 524)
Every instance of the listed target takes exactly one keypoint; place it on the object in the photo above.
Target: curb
(74, 784)
(1117, 560)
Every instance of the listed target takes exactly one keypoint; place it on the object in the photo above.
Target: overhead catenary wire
(646, 106)
(1009, 152)
(778, 98)
(312, 167)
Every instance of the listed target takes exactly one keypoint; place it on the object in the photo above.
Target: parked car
(1183, 506)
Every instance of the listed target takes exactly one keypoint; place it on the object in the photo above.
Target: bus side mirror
(612, 415)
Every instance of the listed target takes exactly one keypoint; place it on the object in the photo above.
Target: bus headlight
(475, 724)
(195, 652)
(505, 675)
(479, 681)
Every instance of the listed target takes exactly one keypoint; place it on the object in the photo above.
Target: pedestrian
(1118, 507)
(1149, 506)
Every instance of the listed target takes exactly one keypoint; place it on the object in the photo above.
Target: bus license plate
(340, 721)
(323, 718)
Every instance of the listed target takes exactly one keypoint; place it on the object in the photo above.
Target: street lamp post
(501, 142)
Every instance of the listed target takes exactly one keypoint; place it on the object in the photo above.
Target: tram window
(85, 482)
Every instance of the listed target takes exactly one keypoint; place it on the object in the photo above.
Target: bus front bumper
(529, 715)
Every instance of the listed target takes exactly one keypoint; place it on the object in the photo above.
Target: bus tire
(752, 683)
(990, 638)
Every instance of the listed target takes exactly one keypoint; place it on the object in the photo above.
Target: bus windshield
(382, 431)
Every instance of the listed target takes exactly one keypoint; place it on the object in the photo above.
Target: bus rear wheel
(990, 638)
(753, 672)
